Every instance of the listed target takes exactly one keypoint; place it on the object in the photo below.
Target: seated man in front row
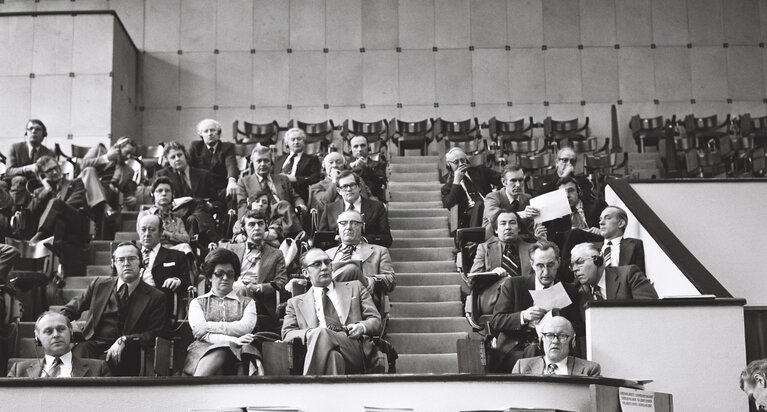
(53, 332)
(373, 212)
(558, 337)
(600, 282)
(355, 259)
(121, 308)
(516, 315)
(332, 319)
(506, 254)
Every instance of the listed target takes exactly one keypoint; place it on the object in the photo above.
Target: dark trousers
(69, 228)
(130, 361)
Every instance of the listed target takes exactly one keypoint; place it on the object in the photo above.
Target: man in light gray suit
(558, 337)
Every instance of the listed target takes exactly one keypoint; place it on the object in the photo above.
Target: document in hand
(551, 205)
(553, 297)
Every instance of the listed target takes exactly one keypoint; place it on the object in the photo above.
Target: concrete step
(438, 293)
(415, 205)
(428, 279)
(405, 168)
(429, 325)
(426, 343)
(421, 196)
(128, 226)
(425, 309)
(421, 254)
(420, 233)
(97, 270)
(415, 159)
(410, 223)
(423, 212)
(424, 267)
(101, 245)
(126, 236)
(79, 282)
(129, 215)
(428, 363)
(414, 186)
(102, 258)
(70, 293)
(424, 242)
(431, 177)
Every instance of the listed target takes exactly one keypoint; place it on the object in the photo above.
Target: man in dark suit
(106, 174)
(217, 157)
(122, 309)
(355, 259)
(510, 198)
(515, 315)
(619, 250)
(506, 254)
(558, 337)
(195, 183)
(300, 168)
(278, 186)
(565, 164)
(22, 157)
(263, 272)
(335, 342)
(164, 268)
(53, 332)
(467, 187)
(373, 212)
(372, 172)
(59, 207)
(598, 282)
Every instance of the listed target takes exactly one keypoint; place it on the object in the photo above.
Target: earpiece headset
(598, 260)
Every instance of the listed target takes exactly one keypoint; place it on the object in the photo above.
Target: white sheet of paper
(554, 297)
(635, 400)
(551, 205)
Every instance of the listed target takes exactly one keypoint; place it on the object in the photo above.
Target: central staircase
(426, 317)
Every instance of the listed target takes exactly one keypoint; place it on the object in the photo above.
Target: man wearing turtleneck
(263, 270)
(515, 315)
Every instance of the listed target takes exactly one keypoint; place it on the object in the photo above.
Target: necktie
(55, 371)
(596, 293)
(578, 221)
(186, 190)
(351, 207)
(551, 369)
(287, 168)
(145, 253)
(122, 294)
(510, 261)
(515, 205)
(347, 255)
(33, 154)
(332, 321)
(608, 254)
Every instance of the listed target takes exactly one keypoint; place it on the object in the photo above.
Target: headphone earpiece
(572, 343)
(599, 260)
(37, 340)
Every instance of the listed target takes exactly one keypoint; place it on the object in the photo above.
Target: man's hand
(46, 185)
(359, 162)
(247, 279)
(171, 283)
(302, 207)
(113, 154)
(594, 230)
(500, 271)
(355, 330)
(231, 187)
(533, 314)
(30, 169)
(567, 170)
(129, 201)
(334, 175)
(114, 353)
(459, 173)
(529, 212)
(244, 339)
(540, 232)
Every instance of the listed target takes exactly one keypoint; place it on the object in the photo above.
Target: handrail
(687, 263)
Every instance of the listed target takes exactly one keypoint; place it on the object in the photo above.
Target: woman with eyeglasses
(222, 322)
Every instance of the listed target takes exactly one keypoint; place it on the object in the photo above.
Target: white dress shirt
(146, 276)
(561, 366)
(65, 368)
(318, 306)
(615, 251)
(357, 205)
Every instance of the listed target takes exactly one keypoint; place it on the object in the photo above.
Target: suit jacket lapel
(159, 259)
(611, 282)
(365, 252)
(571, 366)
(79, 369)
(494, 252)
(35, 370)
(625, 249)
(138, 302)
(102, 296)
(344, 298)
(306, 306)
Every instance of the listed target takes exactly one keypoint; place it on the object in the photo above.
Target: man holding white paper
(516, 312)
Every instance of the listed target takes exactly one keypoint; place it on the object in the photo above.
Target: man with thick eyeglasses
(558, 338)
(60, 208)
(334, 319)
(23, 155)
(373, 212)
(124, 312)
(355, 259)
(516, 316)
(467, 186)
(597, 281)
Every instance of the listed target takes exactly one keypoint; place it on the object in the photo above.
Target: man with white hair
(215, 156)
(467, 186)
(598, 281)
(325, 192)
(300, 168)
(372, 172)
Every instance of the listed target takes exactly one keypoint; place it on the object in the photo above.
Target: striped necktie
(608, 254)
(551, 369)
(55, 371)
(510, 261)
(596, 293)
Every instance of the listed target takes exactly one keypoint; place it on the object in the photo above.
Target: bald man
(372, 172)
(467, 186)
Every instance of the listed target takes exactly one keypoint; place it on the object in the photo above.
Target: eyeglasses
(222, 273)
(348, 186)
(126, 259)
(352, 223)
(318, 264)
(35, 129)
(549, 265)
(567, 160)
(560, 336)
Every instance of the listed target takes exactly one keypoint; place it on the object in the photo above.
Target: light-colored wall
(695, 353)
(417, 77)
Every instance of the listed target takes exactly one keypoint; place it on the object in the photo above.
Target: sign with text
(635, 400)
